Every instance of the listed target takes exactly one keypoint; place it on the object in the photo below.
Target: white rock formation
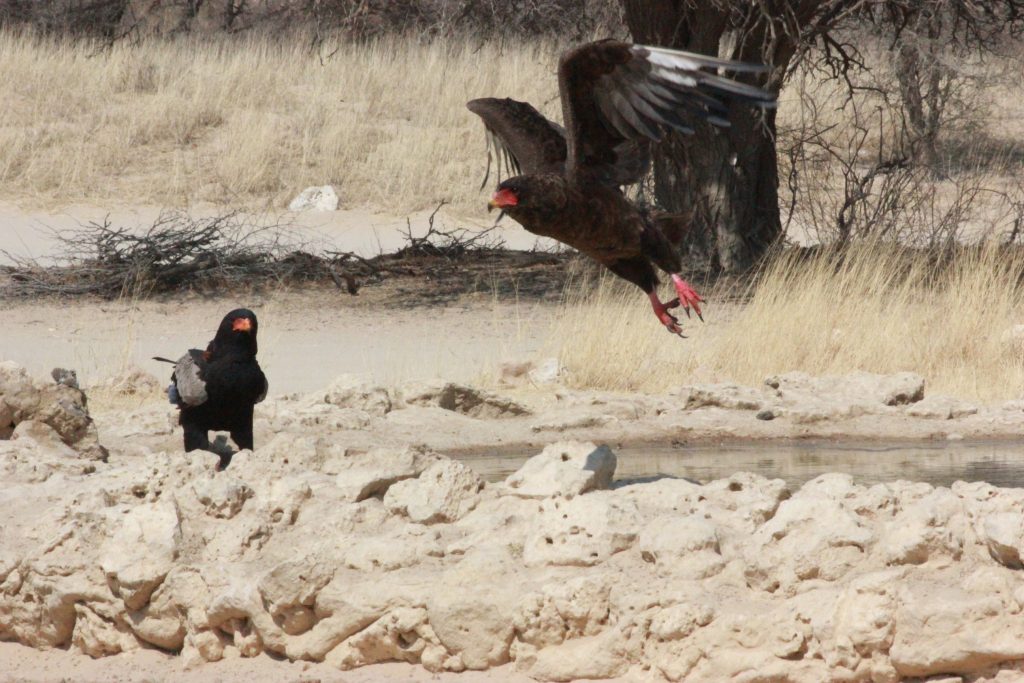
(565, 468)
(313, 548)
(318, 198)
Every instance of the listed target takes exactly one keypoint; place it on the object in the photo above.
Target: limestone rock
(222, 496)
(726, 395)
(43, 436)
(941, 408)
(1004, 535)
(373, 473)
(444, 492)
(290, 589)
(141, 551)
(689, 542)
(565, 468)
(942, 627)
(462, 399)
(97, 636)
(322, 198)
(348, 391)
(582, 531)
(474, 623)
(401, 635)
(592, 657)
(926, 528)
(61, 406)
(19, 397)
(891, 390)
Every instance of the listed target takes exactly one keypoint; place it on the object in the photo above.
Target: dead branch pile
(179, 253)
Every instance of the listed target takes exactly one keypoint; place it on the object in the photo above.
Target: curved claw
(688, 296)
(661, 310)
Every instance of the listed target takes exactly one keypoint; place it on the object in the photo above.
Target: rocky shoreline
(320, 546)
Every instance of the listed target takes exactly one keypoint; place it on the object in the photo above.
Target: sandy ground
(20, 664)
(305, 339)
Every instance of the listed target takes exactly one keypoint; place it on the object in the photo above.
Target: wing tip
(708, 61)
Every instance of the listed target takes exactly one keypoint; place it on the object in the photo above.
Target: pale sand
(25, 665)
(306, 339)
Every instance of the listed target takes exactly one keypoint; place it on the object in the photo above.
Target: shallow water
(997, 462)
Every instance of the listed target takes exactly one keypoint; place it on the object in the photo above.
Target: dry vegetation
(898, 289)
(251, 122)
(873, 308)
(247, 122)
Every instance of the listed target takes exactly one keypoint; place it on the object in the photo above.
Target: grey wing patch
(519, 138)
(191, 388)
(499, 151)
(648, 95)
(619, 98)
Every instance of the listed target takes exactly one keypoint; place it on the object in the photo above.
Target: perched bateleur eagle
(218, 388)
(617, 98)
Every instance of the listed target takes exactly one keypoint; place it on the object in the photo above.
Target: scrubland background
(901, 250)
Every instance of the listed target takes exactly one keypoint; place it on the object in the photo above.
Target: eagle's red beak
(241, 325)
(502, 199)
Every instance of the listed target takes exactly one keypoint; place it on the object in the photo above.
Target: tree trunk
(726, 180)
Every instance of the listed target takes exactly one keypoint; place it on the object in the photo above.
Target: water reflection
(997, 462)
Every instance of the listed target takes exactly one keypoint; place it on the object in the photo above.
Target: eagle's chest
(601, 228)
(241, 381)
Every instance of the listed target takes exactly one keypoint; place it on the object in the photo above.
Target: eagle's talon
(688, 296)
(670, 322)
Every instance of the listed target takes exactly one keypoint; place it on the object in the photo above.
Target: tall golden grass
(876, 307)
(251, 121)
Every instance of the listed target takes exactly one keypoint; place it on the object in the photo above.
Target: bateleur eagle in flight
(617, 99)
(218, 388)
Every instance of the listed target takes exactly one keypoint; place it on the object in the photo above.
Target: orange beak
(503, 199)
(241, 325)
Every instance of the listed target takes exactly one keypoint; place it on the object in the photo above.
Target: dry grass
(250, 122)
(880, 309)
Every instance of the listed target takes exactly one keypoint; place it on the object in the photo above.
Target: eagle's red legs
(670, 322)
(687, 296)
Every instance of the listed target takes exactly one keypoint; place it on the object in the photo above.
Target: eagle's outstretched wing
(615, 94)
(521, 139)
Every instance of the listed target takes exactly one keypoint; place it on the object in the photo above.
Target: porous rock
(349, 391)
(737, 579)
(141, 551)
(62, 406)
(941, 408)
(581, 531)
(373, 473)
(564, 468)
(443, 492)
(462, 399)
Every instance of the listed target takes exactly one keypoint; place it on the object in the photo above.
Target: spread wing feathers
(188, 378)
(614, 92)
(521, 138)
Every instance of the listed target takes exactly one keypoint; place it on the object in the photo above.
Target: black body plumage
(217, 389)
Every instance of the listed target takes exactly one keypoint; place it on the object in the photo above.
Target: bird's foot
(687, 296)
(661, 310)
